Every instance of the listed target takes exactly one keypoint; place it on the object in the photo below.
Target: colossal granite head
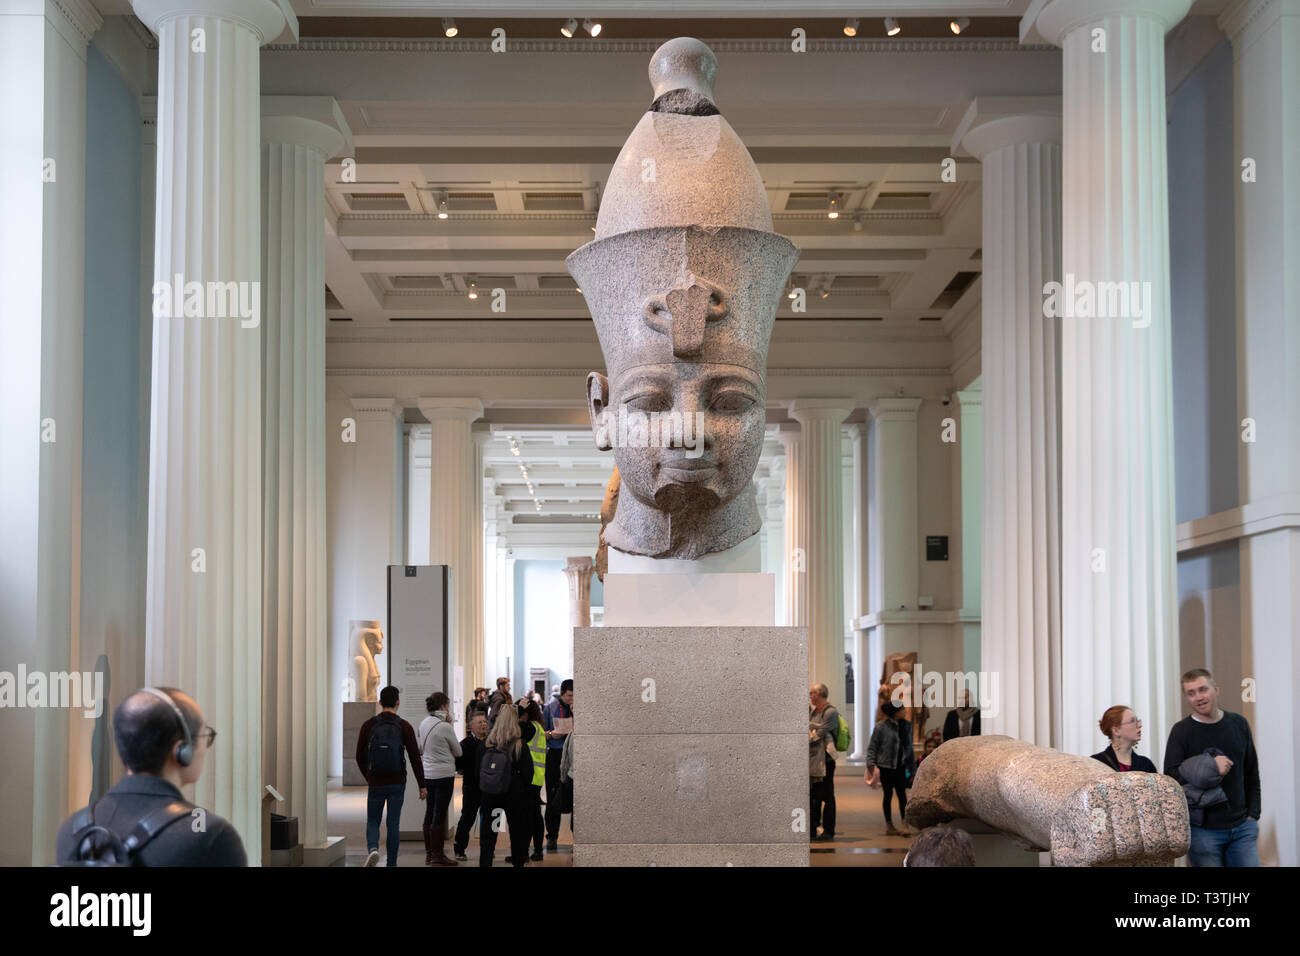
(683, 280)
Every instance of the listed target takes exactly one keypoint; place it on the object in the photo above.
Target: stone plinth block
(691, 854)
(1078, 808)
(699, 787)
(355, 713)
(703, 680)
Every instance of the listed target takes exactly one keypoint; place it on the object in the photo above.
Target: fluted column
(204, 592)
(796, 559)
(503, 635)
(298, 135)
(774, 539)
(864, 693)
(821, 504)
(578, 571)
(455, 514)
(971, 445)
(896, 555)
(42, 240)
(473, 673)
(1265, 38)
(1118, 583)
(1019, 142)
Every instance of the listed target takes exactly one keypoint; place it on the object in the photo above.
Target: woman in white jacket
(439, 749)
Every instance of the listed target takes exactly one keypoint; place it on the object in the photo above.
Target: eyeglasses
(1136, 721)
(208, 734)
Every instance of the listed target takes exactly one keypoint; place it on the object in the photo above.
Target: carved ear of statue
(598, 408)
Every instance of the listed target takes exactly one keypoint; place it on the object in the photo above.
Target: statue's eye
(732, 401)
(651, 401)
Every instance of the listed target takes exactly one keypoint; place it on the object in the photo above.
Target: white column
(1265, 38)
(1118, 585)
(970, 436)
(496, 667)
(1019, 142)
(774, 539)
(204, 601)
(454, 521)
(509, 661)
(864, 686)
(796, 557)
(821, 505)
(473, 673)
(375, 512)
(896, 557)
(42, 238)
(298, 135)
(492, 507)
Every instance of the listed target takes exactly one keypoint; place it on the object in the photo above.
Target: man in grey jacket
(823, 728)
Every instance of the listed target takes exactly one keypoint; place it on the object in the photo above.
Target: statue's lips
(689, 469)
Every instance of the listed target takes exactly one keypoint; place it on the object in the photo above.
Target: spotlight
(442, 204)
(570, 27)
(792, 294)
(592, 28)
(449, 27)
(833, 206)
(473, 289)
(851, 27)
(957, 24)
(892, 29)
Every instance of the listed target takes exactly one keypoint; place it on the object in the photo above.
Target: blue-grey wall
(112, 520)
(1202, 176)
(1202, 256)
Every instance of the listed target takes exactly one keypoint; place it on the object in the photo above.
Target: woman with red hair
(1125, 732)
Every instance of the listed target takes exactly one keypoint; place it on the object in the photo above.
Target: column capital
(787, 435)
(994, 122)
(1053, 20)
(804, 410)
(857, 431)
(315, 122)
(270, 20)
(972, 395)
(451, 409)
(374, 408)
(1255, 15)
(894, 409)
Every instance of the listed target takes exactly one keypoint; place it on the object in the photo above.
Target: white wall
(543, 634)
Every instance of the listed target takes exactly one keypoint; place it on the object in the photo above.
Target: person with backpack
(440, 750)
(143, 820)
(557, 718)
(381, 743)
(824, 735)
(505, 771)
(533, 734)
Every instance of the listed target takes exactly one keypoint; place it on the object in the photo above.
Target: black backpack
(94, 844)
(495, 769)
(386, 747)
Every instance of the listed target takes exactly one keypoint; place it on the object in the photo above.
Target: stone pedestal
(355, 713)
(665, 763)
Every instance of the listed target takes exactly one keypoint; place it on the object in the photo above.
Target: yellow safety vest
(538, 749)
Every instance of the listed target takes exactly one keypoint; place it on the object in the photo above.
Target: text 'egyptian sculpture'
(683, 281)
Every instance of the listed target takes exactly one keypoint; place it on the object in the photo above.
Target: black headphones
(184, 750)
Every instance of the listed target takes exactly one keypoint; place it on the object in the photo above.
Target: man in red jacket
(380, 746)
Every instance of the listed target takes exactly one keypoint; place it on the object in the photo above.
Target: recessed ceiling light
(833, 206)
(957, 24)
(592, 27)
(892, 28)
(851, 27)
(449, 27)
(570, 27)
(442, 204)
(473, 289)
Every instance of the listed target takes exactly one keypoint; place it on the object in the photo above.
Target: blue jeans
(1235, 847)
(393, 793)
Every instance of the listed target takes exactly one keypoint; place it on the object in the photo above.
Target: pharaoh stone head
(683, 281)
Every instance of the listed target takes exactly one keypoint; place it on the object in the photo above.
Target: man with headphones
(163, 742)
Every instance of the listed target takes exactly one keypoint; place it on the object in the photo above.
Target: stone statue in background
(607, 509)
(1085, 813)
(683, 280)
(367, 641)
(897, 682)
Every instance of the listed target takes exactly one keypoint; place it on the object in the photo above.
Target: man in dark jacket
(559, 709)
(152, 729)
(1229, 831)
(499, 697)
(471, 798)
(380, 746)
